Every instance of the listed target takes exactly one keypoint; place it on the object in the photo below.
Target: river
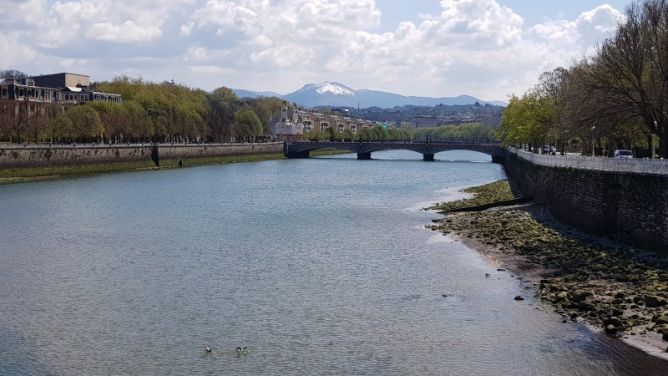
(319, 267)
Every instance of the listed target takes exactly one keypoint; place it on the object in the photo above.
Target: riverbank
(31, 174)
(612, 287)
(28, 174)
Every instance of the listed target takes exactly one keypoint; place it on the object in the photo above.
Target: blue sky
(486, 48)
(532, 11)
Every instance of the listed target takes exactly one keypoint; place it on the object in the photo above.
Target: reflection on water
(318, 266)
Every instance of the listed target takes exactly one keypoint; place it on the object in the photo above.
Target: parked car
(547, 149)
(623, 154)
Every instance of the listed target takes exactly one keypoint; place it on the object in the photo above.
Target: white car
(623, 154)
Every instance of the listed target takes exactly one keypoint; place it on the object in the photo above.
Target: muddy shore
(612, 287)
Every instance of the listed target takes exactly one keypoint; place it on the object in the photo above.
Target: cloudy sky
(486, 48)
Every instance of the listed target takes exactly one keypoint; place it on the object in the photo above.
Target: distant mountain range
(338, 95)
(241, 93)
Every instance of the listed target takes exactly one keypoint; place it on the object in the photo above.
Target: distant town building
(288, 128)
(67, 88)
(293, 123)
(424, 122)
(62, 80)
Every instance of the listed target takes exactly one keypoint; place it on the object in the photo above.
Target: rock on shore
(616, 288)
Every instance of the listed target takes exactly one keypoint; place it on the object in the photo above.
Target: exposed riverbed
(318, 266)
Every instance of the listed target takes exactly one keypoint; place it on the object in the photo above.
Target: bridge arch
(471, 155)
(364, 149)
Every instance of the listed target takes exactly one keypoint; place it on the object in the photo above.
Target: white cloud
(477, 47)
(128, 31)
(13, 53)
(61, 23)
(603, 18)
(584, 30)
(187, 29)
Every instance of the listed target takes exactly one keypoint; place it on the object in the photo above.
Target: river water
(319, 267)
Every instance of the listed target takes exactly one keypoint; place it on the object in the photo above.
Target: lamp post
(651, 139)
(593, 150)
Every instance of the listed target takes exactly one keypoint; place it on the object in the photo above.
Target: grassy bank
(622, 290)
(27, 174)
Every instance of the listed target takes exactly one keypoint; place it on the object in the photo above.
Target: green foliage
(247, 124)
(86, 122)
(473, 133)
(170, 112)
(611, 100)
(527, 119)
(223, 103)
(379, 133)
(63, 128)
(315, 135)
(267, 109)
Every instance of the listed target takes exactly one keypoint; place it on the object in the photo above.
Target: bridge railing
(80, 145)
(643, 166)
(413, 142)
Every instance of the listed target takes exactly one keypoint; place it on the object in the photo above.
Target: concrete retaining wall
(626, 205)
(32, 156)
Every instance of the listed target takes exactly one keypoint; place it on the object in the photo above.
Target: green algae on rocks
(498, 191)
(620, 289)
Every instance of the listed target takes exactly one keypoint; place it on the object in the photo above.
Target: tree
(12, 74)
(267, 109)
(223, 104)
(86, 123)
(247, 124)
(525, 120)
(629, 75)
(63, 128)
(175, 112)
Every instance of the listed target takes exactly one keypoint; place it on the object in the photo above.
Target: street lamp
(593, 150)
(651, 139)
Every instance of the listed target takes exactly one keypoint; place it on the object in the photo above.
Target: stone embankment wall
(32, 156)
(630, 206)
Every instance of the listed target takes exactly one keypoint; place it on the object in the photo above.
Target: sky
(486, 48)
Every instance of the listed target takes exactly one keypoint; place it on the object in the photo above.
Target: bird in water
(241, 351)
(208, 349)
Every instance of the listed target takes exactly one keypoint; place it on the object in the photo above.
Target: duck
(238, 350)
(208, 349)
(244, 350)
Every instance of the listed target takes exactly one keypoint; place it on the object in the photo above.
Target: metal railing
(643, 166)
(126, 145)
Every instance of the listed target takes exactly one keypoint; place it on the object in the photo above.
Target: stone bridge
(301, 149)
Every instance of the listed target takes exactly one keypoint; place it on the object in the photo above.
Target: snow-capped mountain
(332, 88)
(322, 94)
(339, 95)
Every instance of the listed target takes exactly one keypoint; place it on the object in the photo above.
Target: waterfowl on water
(244, 350)
(208, 349)
(238, 350)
